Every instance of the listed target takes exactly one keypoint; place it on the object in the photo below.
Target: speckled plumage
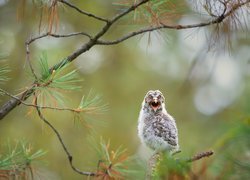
(156, 128)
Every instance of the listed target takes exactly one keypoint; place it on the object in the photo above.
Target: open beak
(155, 104)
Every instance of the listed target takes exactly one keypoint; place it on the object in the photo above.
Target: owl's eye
(150, 96)
(159, 96)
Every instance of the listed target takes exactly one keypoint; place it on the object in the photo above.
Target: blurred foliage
(154, 12)
(4, 70)
(170, 168)
(49, 16)
(16, 162)
(113, 164)
(233, 153)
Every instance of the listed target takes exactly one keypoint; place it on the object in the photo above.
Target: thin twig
(45, 107)
(29, 62)
(70, 35)
(36, 106)
(70, 157)
(83, 12)
(31, 40)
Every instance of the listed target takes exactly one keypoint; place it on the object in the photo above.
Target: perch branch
(155, 157)
(69, 156)
(200, 156)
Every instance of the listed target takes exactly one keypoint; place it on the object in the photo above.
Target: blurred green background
(210, 99)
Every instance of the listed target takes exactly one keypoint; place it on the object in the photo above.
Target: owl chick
(157, 128)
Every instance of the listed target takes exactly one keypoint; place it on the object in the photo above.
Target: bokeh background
(208, 92)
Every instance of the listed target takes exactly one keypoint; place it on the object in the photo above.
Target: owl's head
(154, 101)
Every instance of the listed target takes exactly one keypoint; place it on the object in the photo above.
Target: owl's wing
(165, 128)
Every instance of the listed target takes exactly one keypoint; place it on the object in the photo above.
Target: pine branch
(69, 156)
(80, 109)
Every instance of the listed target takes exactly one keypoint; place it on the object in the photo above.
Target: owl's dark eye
(150, 96)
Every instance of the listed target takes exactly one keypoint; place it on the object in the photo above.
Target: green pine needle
(59, 78)
(51, 83)
(19, 157)
(92, 104)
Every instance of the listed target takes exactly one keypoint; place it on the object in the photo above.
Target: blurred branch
(69, 156)
(235, 7)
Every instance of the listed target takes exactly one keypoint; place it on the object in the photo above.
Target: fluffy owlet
(157, 128)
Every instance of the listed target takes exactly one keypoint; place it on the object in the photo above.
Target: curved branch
(70, 157)
(31, 40)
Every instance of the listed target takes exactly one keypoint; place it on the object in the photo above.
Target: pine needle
(18, 158)
(51, 84)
